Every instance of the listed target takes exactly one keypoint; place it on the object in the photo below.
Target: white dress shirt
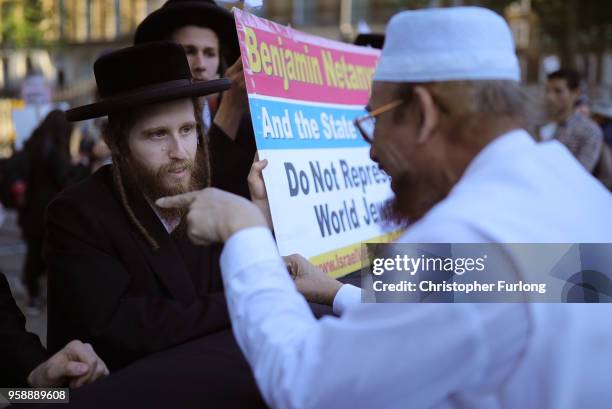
(439, 355)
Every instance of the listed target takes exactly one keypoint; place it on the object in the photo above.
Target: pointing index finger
(178, 201)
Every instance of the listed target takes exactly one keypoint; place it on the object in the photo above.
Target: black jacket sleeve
(231, 159)
(20, 351)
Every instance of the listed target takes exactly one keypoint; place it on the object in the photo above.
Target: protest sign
(304, 91)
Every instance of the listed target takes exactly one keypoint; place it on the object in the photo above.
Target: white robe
(544, 356)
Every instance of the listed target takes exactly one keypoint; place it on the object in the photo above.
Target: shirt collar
(508, 144)
(168, 226)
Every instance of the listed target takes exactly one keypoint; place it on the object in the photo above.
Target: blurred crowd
(31, 177)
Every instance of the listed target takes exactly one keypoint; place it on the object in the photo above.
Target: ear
(430, 113)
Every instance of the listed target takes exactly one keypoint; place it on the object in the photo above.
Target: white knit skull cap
(448, 44)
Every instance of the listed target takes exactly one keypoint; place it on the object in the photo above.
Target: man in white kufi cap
(450, 131)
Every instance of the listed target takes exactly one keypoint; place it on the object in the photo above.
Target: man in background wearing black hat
(122, 274)
(207, 33)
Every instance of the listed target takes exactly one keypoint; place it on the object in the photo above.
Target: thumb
(178, 201)
(290, 264)
(260, 165)
(255, 174)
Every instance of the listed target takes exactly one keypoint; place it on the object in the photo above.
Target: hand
(312, 282)
(77, 363)
(214, 215)
(257, 188)
(234, 101)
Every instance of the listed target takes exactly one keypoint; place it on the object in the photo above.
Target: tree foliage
(567, 27)
(20, 23)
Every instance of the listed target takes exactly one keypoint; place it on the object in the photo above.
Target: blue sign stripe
(290, 125)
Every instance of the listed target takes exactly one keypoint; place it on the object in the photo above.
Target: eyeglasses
(367, 123)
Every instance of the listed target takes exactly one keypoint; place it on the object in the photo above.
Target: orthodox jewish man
(122, 274)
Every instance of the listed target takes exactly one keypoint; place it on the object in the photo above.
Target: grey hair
(501, 98)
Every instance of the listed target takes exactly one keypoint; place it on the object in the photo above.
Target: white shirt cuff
(347, 296)
(247, 247)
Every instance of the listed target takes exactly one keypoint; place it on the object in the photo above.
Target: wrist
(334, 287)
(243, 221)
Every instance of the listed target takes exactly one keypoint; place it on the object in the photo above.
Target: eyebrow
(190, 47)
(150, 131)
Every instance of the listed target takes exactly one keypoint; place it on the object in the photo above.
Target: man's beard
(415, 195)
(154, 185)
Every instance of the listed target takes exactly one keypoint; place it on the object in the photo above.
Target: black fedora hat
(159, 25)
(372, 39)
(141, 75)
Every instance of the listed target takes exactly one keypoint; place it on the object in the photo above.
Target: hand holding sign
(234, 103)
(257, 188)
(214, 215)
(311, 282)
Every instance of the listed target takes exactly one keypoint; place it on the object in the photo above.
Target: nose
(177, 149)
(373, 153)
(199, 62)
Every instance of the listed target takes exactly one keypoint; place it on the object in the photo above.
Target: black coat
(231, 160)
(195, 375)
(49, 172)
(20, 351)
(109, 288)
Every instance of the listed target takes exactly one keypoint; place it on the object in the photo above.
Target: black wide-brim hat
(372, 39)
(140, 75)
(159, 25)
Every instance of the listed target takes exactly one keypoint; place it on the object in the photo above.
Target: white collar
(506, 145)
(168, 226)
